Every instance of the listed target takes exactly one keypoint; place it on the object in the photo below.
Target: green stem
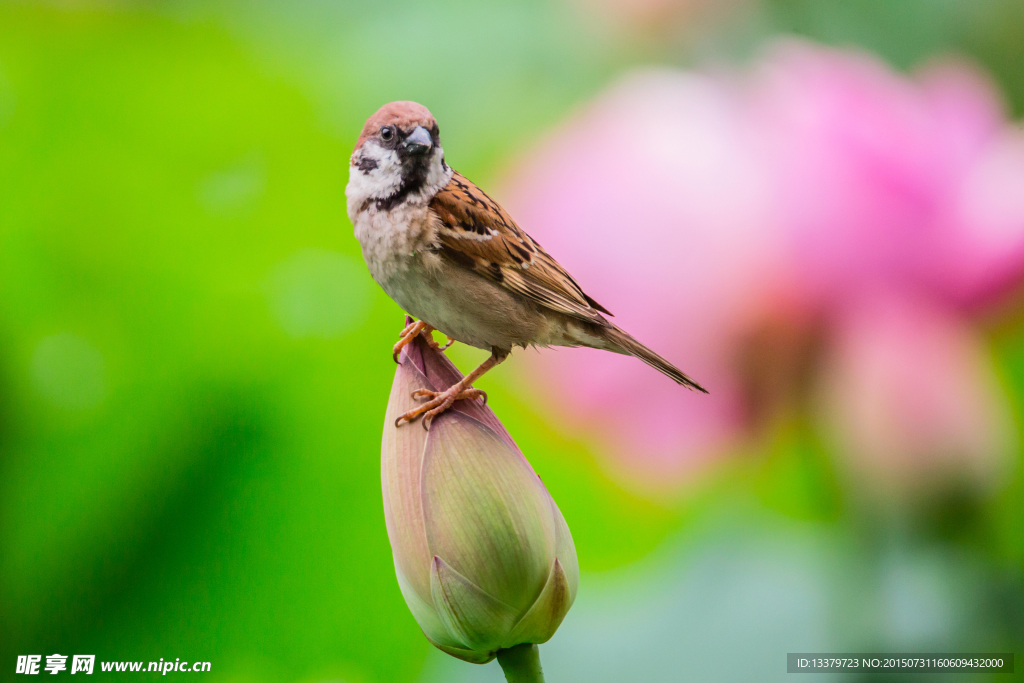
(521, 664)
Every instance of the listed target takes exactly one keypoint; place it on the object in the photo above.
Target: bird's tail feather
(628, 345)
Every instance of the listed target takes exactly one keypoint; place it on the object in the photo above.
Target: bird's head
(398, 157)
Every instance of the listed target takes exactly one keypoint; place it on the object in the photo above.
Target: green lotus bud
(484, 558)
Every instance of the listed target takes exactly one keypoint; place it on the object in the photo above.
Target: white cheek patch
(439, 174)
(381, 181)
(367, 182)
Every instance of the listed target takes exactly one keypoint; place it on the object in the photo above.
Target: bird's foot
(439, 401)
(410, 326)
(409, 333)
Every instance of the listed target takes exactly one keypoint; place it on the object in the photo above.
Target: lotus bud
(483, 556)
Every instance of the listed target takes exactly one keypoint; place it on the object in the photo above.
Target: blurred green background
(194, 362)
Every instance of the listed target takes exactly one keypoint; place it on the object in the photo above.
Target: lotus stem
(521, 664)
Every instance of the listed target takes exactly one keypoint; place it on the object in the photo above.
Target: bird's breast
(391, 240)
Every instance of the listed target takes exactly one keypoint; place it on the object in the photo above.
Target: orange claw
(409, 333)
(439, 401)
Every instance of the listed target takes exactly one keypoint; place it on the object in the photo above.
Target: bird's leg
(410, 326)
(440, 401)
(409, 333)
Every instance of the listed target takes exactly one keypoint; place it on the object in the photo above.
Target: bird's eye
(387, 133)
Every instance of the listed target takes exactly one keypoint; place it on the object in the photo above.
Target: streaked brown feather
(475, 232)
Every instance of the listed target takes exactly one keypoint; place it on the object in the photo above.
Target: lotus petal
(543, 619)
(486, 512)
(426, 615)
(479, 620)
(401, 465)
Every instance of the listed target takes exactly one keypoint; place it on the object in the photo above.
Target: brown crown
(404, 115)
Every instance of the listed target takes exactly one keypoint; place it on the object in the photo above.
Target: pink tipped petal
(437, 373)
(401, 466)
(475, 617)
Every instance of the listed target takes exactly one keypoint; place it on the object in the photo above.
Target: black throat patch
(414, 177)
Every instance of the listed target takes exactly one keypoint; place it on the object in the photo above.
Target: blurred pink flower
(734, 222)
(648, 17)
(913, 400)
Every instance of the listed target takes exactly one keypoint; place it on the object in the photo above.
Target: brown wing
(478, 234)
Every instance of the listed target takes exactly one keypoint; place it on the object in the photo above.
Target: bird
(456, 262)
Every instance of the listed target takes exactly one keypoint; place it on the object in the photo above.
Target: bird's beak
(418, 141)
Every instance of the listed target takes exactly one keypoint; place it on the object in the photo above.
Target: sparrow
(451, 257)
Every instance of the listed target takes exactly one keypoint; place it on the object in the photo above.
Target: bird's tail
(626, 344)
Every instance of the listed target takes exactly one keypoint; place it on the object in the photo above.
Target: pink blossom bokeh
(819, 226)
(654, 17)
